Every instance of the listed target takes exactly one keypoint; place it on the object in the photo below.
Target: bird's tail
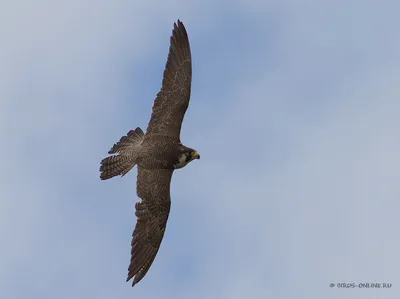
(126, 154)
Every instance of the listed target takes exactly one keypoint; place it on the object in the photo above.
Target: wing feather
(172, 100)
(153, 187)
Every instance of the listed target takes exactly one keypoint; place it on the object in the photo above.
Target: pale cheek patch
(182, 161)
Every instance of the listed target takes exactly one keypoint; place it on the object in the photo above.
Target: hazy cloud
(294, 111)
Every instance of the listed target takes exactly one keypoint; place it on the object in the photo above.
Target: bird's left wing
(153, 187)
(173, 99)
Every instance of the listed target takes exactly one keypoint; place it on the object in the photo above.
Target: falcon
(157, 154)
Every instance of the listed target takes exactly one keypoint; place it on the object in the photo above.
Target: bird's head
(186, 155)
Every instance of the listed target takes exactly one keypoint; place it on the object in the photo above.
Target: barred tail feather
(126, 150)
(114, 166)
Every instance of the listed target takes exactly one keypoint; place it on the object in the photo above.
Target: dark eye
(188, 156)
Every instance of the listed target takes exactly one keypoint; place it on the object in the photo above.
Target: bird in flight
(157, 154)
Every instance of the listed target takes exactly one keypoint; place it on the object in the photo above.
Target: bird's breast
(158, 158)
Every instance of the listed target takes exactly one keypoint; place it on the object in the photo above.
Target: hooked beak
(195, 155)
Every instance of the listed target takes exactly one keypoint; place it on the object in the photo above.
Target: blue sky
(294, 110)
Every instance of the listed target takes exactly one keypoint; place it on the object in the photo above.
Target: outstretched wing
(153, 187)
(172, 100)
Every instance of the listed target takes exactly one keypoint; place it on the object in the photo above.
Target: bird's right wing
(173, 99)
(153, 187)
